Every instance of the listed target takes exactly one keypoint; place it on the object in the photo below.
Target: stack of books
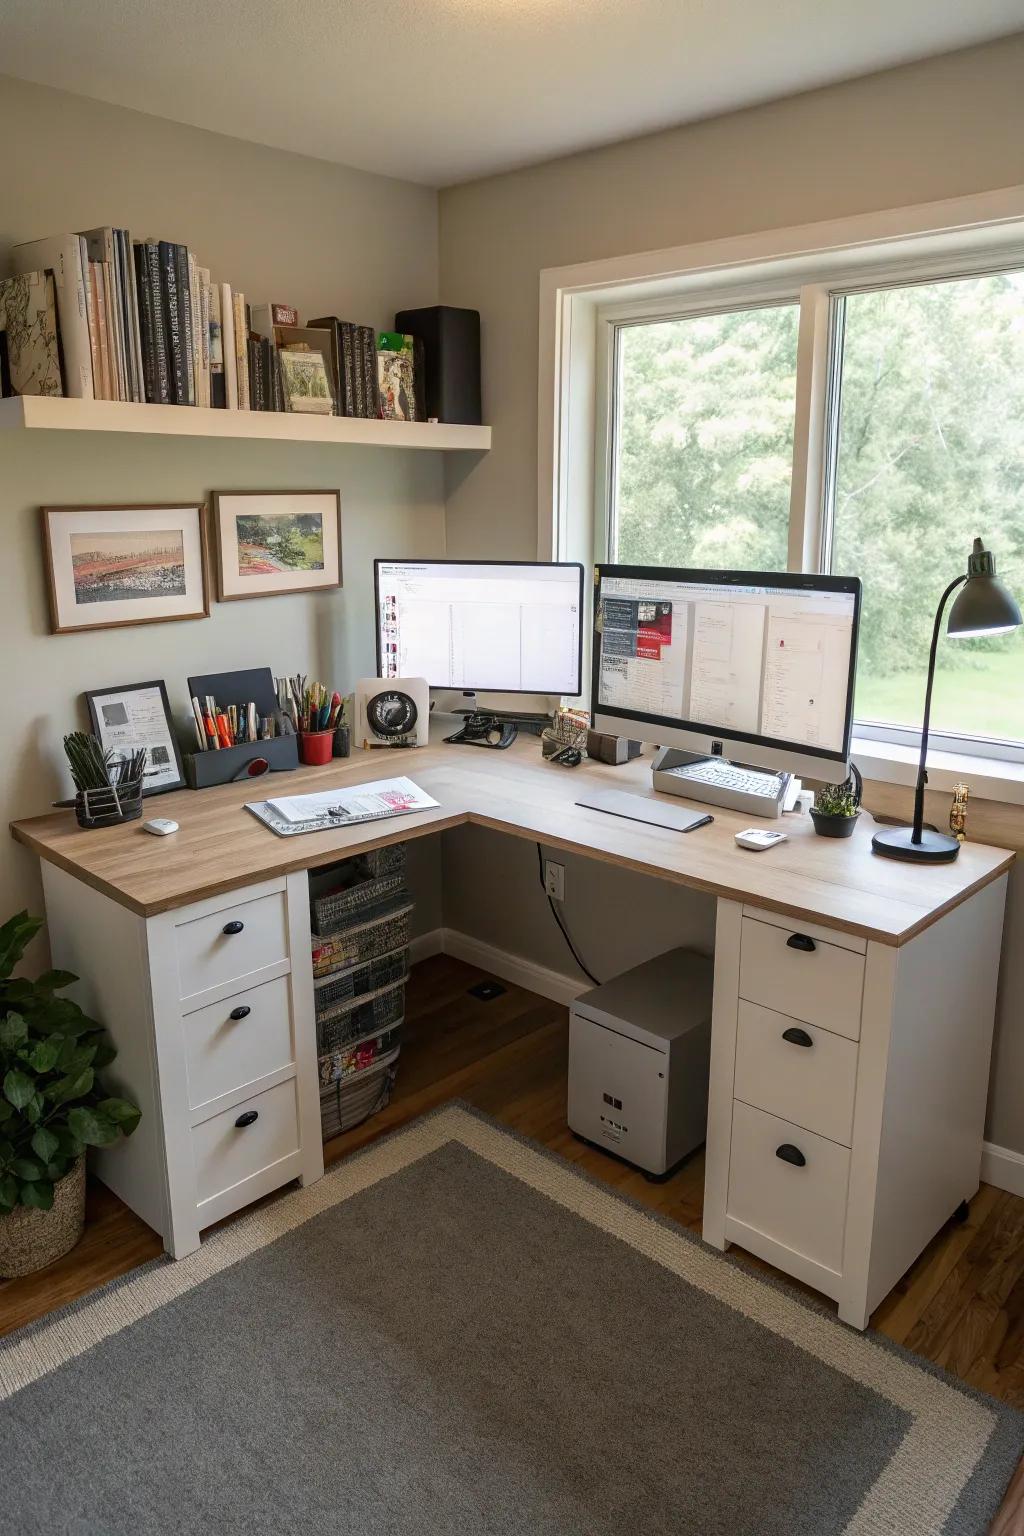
(142, 320)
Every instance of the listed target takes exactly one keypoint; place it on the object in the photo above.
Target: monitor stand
(716, 781)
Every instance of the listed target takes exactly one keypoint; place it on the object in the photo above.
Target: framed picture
(276, 541)
(124, 565)
(138, 715)
(304, 383)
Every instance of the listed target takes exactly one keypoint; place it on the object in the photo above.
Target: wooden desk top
(220, 846)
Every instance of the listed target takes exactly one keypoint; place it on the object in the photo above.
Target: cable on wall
(559, 920)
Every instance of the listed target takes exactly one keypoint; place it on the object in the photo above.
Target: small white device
(392, 712)
(759, 838)
(639, 1054)
(160, 826)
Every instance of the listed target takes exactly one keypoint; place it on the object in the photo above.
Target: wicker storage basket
(335, 1066)
(31, 1239)
(347, 1103)
(354, 1020)
(347, 987)
(379, 936)
(355, 898)
(385, 861)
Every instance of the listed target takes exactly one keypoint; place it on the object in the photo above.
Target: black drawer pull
(243, 1011)
(254, 1114)
(236, 927)
(795, 941)
(794, 1036)
(791, 1154)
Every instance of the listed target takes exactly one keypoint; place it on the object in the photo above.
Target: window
(930, 452)
(704, 440)
(834, 427)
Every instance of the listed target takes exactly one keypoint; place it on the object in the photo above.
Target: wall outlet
(554, 879)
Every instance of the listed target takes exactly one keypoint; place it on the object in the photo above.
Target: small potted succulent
(835, 810)
(52, 1107)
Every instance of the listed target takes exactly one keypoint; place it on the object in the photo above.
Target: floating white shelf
(37, 411)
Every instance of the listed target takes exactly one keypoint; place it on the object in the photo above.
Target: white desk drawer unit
(789, 1184)
(230, 945)
(237, 1040)
(238, 1145)
(797, 1071)
(804, 971)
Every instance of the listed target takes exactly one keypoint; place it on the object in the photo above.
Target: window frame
(580, 350)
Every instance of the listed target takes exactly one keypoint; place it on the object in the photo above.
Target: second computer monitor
(759, 667)
(481, 626)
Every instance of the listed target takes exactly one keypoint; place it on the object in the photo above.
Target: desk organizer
(253, 685)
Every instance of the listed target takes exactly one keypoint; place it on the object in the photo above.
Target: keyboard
(717, 782)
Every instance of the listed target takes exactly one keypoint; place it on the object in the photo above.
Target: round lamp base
(934, 847)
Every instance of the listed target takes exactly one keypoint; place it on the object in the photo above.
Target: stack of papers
(332, 808)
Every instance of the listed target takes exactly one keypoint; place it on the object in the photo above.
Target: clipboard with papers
(334, 809)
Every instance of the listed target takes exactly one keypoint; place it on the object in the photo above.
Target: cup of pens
(316, 714)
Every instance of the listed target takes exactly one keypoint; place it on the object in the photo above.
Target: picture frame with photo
(135, 715)
(305, 383)
(108, 566)
(276, 542)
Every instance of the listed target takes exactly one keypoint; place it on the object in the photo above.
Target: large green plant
(52, 1105)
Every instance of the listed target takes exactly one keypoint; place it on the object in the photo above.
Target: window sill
(989, 778)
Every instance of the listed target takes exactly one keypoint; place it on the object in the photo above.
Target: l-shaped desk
(862, 1047)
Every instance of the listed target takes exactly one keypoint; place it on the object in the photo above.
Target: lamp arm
(922, 772)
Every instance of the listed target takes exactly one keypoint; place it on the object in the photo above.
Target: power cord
(558, 919)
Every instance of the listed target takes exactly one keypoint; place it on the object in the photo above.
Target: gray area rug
(456, 1332)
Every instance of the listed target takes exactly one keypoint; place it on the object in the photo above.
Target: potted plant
(52, 1107)
(835, 810)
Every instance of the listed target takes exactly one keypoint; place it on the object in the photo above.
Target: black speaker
(451, 361)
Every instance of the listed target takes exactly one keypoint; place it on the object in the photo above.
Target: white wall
(942, 128)
(277, 226)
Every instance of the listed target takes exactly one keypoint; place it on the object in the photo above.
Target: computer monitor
(758, 667)
(498, 626)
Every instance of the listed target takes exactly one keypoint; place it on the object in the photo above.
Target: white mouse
(160, 826)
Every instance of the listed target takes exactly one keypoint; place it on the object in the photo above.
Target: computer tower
(451, 361)
(639, 1059)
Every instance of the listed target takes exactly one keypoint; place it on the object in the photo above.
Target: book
(99, 385)
(218, 393)
(30, 335)
(147, 323)
(227, 343)
(99, 289)
(132, 305)
(181, 267)
(173, 322)
(395, 358)
(62, 255)
(341, 378)
(241, 350)
(270, 374)
(371, 395)
(203, 274)
(100, 245)
(164, 394)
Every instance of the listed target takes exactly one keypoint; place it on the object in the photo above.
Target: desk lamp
(982, 607)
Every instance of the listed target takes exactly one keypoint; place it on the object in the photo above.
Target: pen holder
(316, 747)
(108, 806)
(204, 769)
(341, 741)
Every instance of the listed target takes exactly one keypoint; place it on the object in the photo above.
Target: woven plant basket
(31, 1239)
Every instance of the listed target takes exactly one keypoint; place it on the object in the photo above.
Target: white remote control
(759, 838)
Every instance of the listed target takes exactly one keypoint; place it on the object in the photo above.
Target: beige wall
(278, 227)
(943, 128)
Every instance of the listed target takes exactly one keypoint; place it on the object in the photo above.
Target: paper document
(287, 814)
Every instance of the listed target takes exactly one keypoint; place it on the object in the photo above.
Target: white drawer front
(239, 1040)
(796, 1071)
(804, 977)
(229, 945)
(227, 1152)
(802, 1208)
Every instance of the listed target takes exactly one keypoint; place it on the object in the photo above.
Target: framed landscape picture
(124, 565)
(276, 541)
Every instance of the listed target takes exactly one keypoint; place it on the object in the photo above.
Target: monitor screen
(496, 626)
(758, 657)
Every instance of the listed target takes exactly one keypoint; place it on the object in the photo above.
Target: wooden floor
(961, 1306)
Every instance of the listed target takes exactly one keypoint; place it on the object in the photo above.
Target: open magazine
(333, 808)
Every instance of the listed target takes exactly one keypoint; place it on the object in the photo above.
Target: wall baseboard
(488, 957)
(1003, 1168)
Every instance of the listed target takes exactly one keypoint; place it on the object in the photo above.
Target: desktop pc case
(639, 1059)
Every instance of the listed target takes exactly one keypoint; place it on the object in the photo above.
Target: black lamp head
(983, 606)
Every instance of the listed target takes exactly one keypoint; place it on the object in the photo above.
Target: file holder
(252, 685)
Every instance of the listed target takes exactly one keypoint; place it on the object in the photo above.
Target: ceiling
(440, 91)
